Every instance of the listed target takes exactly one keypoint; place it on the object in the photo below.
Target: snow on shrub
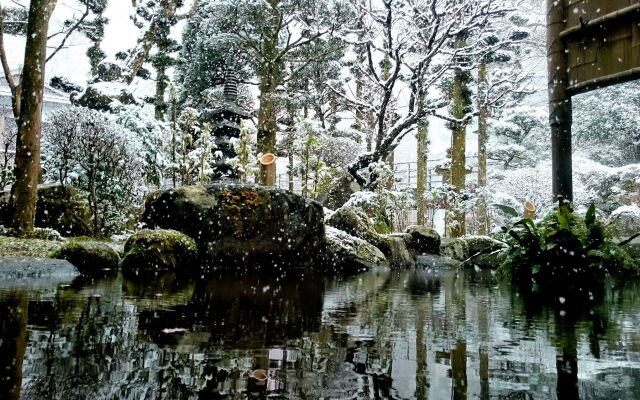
(89, 150)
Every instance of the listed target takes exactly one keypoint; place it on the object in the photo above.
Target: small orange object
(529, 210)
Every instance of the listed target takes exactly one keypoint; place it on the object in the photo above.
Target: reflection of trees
(459, 370)
(373, 335)
(13, 342)
(596, 316)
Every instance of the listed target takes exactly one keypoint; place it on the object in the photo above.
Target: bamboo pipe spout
(268, 169)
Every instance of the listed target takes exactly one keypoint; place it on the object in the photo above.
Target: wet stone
(35, 271)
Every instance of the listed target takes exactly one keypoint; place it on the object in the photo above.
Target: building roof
(51, 95)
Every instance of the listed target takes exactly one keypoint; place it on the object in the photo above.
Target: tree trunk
(174, 118)
(161, 87)
(27, 159)
(267, 116)
(458, 145)
(422, 137)
(290, 171)
(482, 215)
(162, 79)
(391, 162)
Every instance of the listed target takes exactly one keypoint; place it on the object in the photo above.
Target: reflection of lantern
(225, 126)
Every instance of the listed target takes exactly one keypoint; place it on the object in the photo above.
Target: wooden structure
(590, 44)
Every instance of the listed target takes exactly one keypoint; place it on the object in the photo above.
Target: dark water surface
(410, 334)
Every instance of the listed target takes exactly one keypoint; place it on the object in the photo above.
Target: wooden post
(268, 169)
(560, 108)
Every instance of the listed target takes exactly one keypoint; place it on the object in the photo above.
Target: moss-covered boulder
(484, 252)
(345, 252)
(88, 256)
(241, 224)
(424, 240)
(396, 250)
(339, 192)
(159, 250)
(457, 249)
(63, 208)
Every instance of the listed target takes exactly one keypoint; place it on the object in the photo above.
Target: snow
(632, 211)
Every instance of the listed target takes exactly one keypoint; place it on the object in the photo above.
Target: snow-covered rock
(626, 220)
(355, 222)
(347, 252)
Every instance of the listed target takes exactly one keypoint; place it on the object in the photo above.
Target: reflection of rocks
(383, 333)
(150, 291)
(240, 224)
(437, 262)
(244, 311)
(421, 282)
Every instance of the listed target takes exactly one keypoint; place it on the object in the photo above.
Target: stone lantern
(225, 129)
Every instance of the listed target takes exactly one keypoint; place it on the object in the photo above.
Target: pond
(423, 334)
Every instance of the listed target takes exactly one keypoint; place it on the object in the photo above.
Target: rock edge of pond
(35, 271)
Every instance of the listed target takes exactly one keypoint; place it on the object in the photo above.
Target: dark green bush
(564, 251)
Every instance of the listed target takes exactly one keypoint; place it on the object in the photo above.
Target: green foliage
(564, 251)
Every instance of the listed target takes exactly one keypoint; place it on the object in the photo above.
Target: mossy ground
(17, 247)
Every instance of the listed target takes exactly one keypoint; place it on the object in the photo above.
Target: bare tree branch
(70, 31)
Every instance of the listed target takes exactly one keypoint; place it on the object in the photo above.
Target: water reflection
(13, 342)
(422, 334)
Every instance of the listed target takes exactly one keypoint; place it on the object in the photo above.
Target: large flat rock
(24, 271)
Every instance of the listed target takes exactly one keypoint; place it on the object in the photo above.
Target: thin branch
(69, 32)
(3, 56)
